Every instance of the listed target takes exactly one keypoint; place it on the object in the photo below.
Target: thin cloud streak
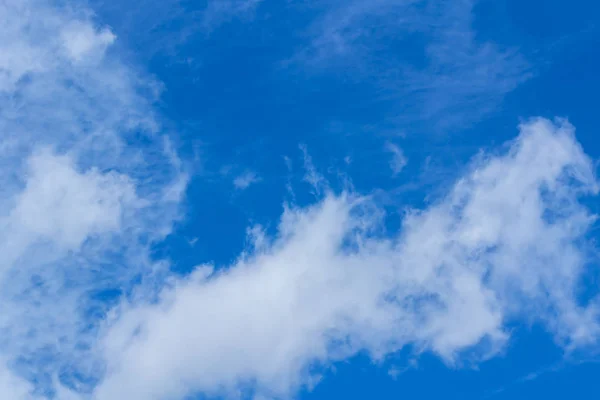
(450, 82)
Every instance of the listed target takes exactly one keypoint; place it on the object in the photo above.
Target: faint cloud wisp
(446, 78)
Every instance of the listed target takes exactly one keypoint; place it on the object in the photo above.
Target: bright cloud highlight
(506, 243)
(91, 181)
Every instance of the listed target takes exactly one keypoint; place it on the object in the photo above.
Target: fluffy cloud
(89, 182)
(66, 206)
(81, 40)
(506, 244)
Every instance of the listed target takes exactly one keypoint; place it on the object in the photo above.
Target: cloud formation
(450, 80)
(398, 159)
(506, 244)
(246, 179)
(90, 181)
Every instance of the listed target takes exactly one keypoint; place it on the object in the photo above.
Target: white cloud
(12, 386)
(506, 244)
(243, 181)
(66, 206)
(88, 183)
(82, 199)
(399, 160)
(81, 40)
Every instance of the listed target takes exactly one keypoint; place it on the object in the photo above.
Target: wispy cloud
(398, 160)
(142, 23)
(465, 79)
(246, 179)
(506, 244)
(445, 76)
(88, 183)
(561, 365)
(311, 174)
(220, 11)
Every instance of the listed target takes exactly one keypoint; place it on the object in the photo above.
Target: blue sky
(265, 199)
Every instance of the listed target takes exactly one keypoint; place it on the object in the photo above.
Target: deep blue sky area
(242, 103)
(245, 88)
